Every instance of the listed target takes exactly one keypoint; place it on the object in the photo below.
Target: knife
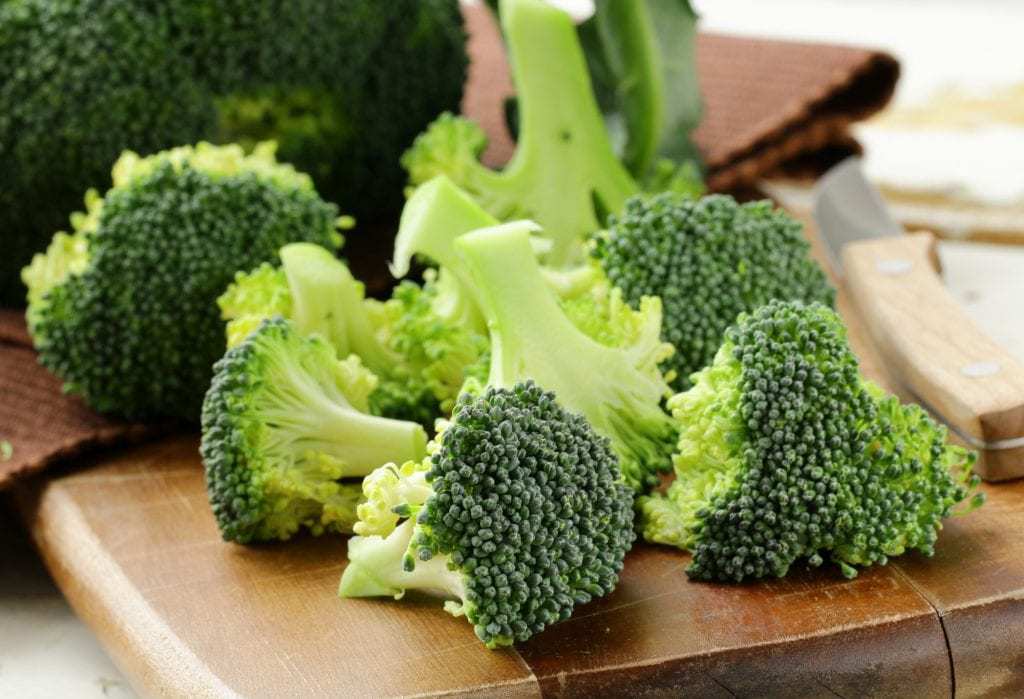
(925, 337)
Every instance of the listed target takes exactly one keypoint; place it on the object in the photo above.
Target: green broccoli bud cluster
(123, 310)
(342, 86)
(708, 260)
(284, 422)
(517, 517)
(787, 453)
(600, 356)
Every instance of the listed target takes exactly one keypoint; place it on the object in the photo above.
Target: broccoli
(599, 355)
(344, 86)
(123, 310)
(618, 388)
(565, 174)
(284, 421)
(708, 260)
(419, 357)
(517, 517)
(786, 453)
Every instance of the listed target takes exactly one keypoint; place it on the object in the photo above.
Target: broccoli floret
(283, 422)
(564, 174)
(618, 388)
(599, 355)
(787, 453)
(124, 309)
(516, 518)
(344, 86)
(708, 260)
(419, 357)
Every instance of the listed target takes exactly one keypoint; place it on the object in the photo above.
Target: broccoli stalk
(564, 174)
(283, 422)
(435, 215)
(618, 388)
(516, 517)
(785, 453)
(378, 568)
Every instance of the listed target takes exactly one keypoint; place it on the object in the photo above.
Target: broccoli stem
(437, 213)
(328, 300)
(564, 161)
(504, 272)
(376, 568)
(317, 281)
(320, 419)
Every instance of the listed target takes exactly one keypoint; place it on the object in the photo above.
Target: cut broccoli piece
(124, 309)
(564, 174)
(786, 453)
(283, 422)
(344, 87)
(618, 389)
(438, 213)
(516, 518)
(708, 261)
(419, 356)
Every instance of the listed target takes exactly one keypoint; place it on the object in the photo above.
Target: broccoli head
(786, 453)
(517, 517)
(599, 355)
(708, 260)
(565, 174)
(617, 387)
(123, 309)
(284, 421)
(343, 86)
(419, 356)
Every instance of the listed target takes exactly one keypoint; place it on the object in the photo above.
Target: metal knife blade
(927, 340)
(848, 208)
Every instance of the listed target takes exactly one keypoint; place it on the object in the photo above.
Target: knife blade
(926, 338)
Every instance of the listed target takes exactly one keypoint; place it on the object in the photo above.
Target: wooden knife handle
(936, 350)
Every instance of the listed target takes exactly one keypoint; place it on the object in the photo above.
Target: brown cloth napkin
(769, 105)
(41, 424)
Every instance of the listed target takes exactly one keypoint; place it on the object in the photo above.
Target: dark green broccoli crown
(528, 504)
(137, 332)
(708, 260)
(345, 98)
(360, 79)
(828, 465)
(85, 79)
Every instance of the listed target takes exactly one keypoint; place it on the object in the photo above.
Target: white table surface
(45, 651)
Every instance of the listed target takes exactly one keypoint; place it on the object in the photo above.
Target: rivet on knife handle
(936, 350)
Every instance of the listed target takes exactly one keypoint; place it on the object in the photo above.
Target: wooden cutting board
(131, 542)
